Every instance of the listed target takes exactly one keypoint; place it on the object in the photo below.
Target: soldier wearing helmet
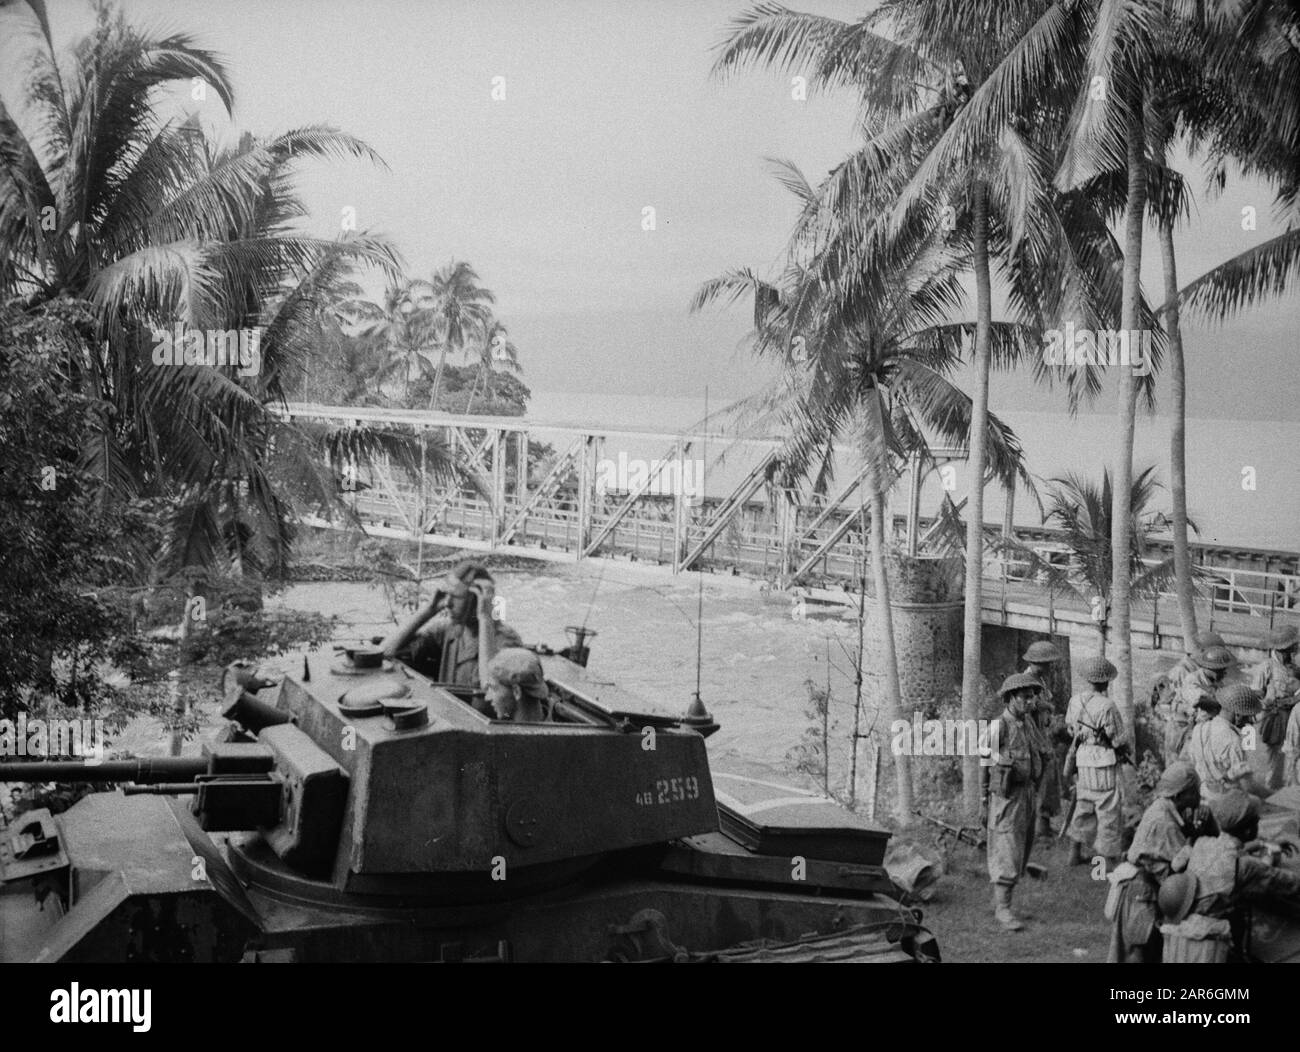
(1161, 845)
(1278, 682)
(1215, 747)
(1213, 664)
(1187, 665)
(1041, 659)
(1098, 731)
(1011, 788)
(1178, 691)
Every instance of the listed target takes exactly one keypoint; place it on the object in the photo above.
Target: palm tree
(1248, 69)
(1098, 54)
(916, 64)
(463, 306)
(879, 355)
(494, 346)
(403, 329)
(1085, 511)
(148, 223)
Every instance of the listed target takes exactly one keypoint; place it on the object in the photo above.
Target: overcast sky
(609, 108)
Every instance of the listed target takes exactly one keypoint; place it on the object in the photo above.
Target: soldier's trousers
(1010, 834)
(1049, 790)
(1269, 764)
(1176, 732)
(1097, 820)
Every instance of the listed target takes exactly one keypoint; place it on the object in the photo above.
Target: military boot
(1077, 857)
(1002, 908)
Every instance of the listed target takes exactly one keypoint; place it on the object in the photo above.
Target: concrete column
(926, 600)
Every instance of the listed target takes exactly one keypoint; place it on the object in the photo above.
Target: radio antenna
(699, 601)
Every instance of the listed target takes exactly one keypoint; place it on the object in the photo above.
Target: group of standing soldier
(1191, 858)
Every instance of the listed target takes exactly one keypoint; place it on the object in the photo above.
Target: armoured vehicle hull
(367, 814)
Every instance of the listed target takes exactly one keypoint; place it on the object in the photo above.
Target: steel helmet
(1217, 658)
(1098, 670)
(1042, 653)
(1283, 638)
(1018, 681)
(1237, 699)
(1177, 894)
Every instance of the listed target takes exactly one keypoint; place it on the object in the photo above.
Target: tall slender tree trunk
(437, 378)
(972, 625)
(1122, 517)
(1178, 443)
(473, 391)
(893, 687)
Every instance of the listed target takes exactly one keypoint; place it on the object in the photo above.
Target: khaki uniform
(1291, 747)
(1012, 806)
(1190, 687)
(1214, 748)
(1097, 815)
(1160, 839)
(1232, 886)
(1048, 722)
(447, 652)
(1278, 683)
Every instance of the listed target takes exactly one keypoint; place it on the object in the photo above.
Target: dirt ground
(1062, 912)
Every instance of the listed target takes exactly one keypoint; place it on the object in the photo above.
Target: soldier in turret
(517, 688)
(463, 634)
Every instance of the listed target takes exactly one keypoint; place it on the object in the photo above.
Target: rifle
(971, 835)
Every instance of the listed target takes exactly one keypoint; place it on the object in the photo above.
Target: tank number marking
(670, 791)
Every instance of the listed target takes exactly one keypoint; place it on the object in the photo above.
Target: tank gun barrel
(147, 771)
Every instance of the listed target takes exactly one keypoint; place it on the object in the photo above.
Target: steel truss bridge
(561, 510)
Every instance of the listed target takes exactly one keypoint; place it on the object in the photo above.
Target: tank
(355, 810)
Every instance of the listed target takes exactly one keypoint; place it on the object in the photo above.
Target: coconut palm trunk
(893, 689)
(437, 377)
(1122, 517)
(972, 625)
(1178, 441)
(473, 391)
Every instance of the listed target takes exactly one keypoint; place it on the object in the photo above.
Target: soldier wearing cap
(1229, 877)
(1011, 789)
(1278, 682)
(1212, 666)
(1160, 847)
(462, 639)
(1215, 747)
(1098, 731)
(516, 687)
(1040, 659)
